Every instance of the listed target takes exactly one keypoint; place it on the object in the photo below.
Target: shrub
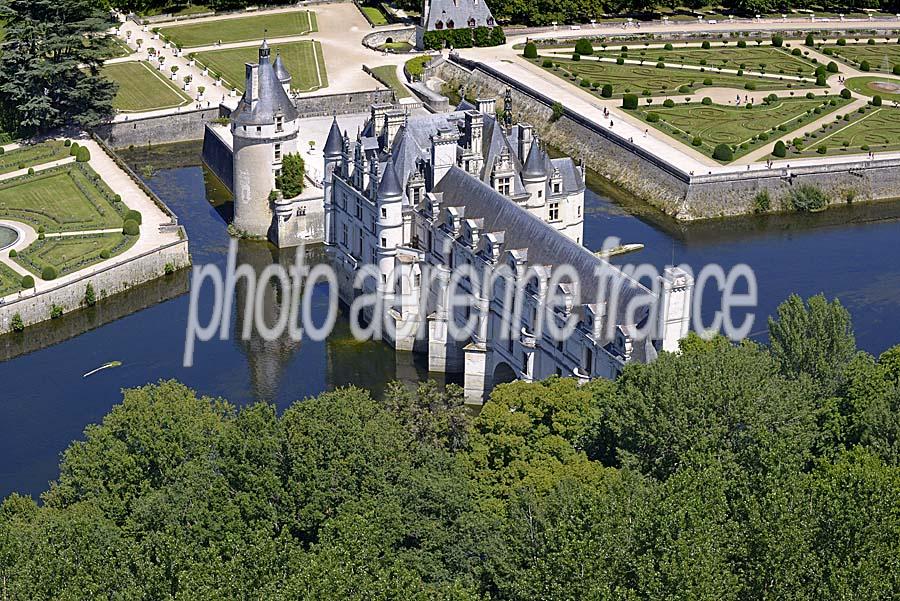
(576, 57)
(762, 203)
(73, 149)
(90, 299)
(780, 150)
(810, 41)
(67, 143)
(685, 89)
(696, 141)
(55, 311)
(705, 45)
(531, 50)
(871, 42)
(865, 66)
(832, 67)
(558, 112)
(668, 103)
(763, 137)
(130, 228)
(607, 90)
(740, 72)
(84, 155)
(820, 80)
(808, 198)
(104, 254)
(13, 253)
(169, 268)
(31, 171)
(706, 100)
(841, 42)
(584, 46)
(742, 44)
(17, 325)
(749, 86)
(822, 149)
(620, 61)
(876, 100)
(27, 281)
(777, 40)
(668, 47)
(547, 63)
(896, 70)
(629, 101)
(585, 83)
(48, 273)
(707, 82)
(653, 117)
(660, 65)
(134, 216)
(723, 152)
(845, 94)
(41, 236)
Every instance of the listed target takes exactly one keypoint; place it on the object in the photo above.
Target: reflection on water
(45, 403)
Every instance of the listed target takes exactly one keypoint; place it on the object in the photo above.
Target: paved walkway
(37, 168)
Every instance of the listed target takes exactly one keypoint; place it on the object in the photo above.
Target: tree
(293, 171)
(723, 152)
(780, 150)
(584, 47)
(50, 67)
(813, 338)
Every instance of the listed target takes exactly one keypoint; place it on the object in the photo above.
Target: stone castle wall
(341, 104)
(164, 129)
(666, 187)
(219, 157)
(108, 281)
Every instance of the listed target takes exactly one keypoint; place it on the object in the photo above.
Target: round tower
(534, 176)
(264, 127)
(389, 224)
(334, 155)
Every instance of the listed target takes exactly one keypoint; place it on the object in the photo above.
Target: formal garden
(56, 256)
(387, 74)
(241, 29)
(871, 129)
(886, 89)
(303, 59)
(32, 154)
(711, 128)
(882, 55)
(10, 281)
(143, 88)
(657, 78)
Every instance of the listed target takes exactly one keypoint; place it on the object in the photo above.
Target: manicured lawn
(10, 281)
(742, 128)
(882, 56)
(387, 74)
(117, 48)
(143, 88)
(375, 16)
(241, 29)
(774, 61)
(29, 156)
(396, 47)
(304, 61)
(636, 79)
(68, 254)
(416, 66)
(877, 130)
(888, 89)
(63, 199)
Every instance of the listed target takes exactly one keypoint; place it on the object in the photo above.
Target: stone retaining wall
(341, 104)
(219, 157)
(111, 280)
(684, 196)
(377, 39)
(163, 129)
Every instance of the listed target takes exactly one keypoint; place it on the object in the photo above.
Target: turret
(282, 73)
(334, 155)
(534, 175)
(389, 224)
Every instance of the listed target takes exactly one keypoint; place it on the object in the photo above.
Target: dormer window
(439, 25)
(279, 123)
(490, 21)
(450, 24)
(557, 187)
(472, 22)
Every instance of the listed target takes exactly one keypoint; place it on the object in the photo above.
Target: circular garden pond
(8, 236)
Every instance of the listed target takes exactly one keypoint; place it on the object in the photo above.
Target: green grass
(241, 29)
(300, 58)
(68, 254)
(143, 88)
(776, 61)
(738, 127)
(877, 130)
(30, 156)
(117, 48)
(636, 79)
(10, 281)
(397, 46)
(875, 54)
(416, 66)
(863, 85)
(375, 16)
(61, 199)
(387, 74)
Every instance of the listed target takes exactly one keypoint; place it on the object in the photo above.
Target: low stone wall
(684, 196)
(377, 39)
(341, 104)
(111, 280)
(164, 129)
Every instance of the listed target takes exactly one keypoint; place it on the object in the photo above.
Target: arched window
(439, 25)
(450, 24)
(472, 22)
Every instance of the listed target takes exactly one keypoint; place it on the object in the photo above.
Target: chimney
(474, 131)
(251, 83)
(395, 120)
(378, 113)
(526, 138)
(487, 106)
(443, 153)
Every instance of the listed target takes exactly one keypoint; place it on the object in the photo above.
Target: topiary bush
(845, 94)
(83, 155)
(865, 66)
(653, 117)
(27, 281)
(778, 40)
(530, 50)
(780, 150)
(706, 100)
(547, 64)
(668, 47)
(73, 149)
(660, 65)
(607, 90)
(134, 216)
(696, 141)
(630, 101)
(584, 46)
(707, 81)
(130, 228)
(841, 42)
(832, 67)
(896, 70)
(104, 254)
(668, 103)
(742, 44)
(810, 41)
(13, 253)
(576, 57)
(48, 273)
(723, 152)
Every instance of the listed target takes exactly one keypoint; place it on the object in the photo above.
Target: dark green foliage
(705, 44)
(629, 101)
(134, 216)
(780, 149)
(762, 202)
(723, 152)
(83, 155)
(707, 81)
(558, 112)
(820, 80)
(668, 103)
(584, 47)
(293, 171)
(777, 40)
(576, 57)
(865, 66)
(809, 198)
(130, 228)
(846, 94)
(13, 253)
(531, 50)
(742, 44)
(17, 324)
(832, 67)
(706, 100)
(810, 41)
(27, 282)
(876, 100)
(841, 42)
(607, 90)
(90, 298)
(50, 67)
(48, 273)
(653, 117)
(697, 141)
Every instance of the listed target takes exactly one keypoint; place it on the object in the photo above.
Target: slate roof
(272, 99)
(459, 12)
(334, 145)
(281, 71)
(545, 245)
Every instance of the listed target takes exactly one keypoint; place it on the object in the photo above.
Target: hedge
(134, 216)
(630, 101)
(465, 37)
(531, 50)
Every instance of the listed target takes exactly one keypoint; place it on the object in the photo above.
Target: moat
(847, 252)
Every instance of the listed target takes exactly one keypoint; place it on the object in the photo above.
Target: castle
(448, 15)
(423, 196)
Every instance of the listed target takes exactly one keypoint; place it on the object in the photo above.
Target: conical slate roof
(272, 99)
(535, 165)
(334, 145)
(281, 72)
(390, 184)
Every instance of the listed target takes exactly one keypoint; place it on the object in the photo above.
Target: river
(852, 253)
